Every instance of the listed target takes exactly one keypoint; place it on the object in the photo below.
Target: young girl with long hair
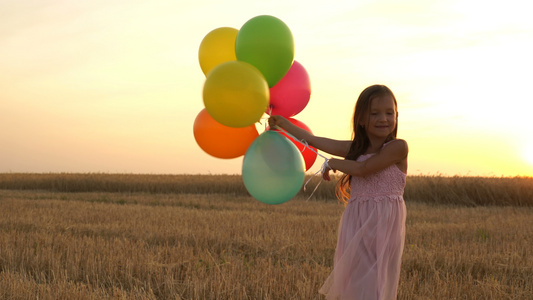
(372, 228)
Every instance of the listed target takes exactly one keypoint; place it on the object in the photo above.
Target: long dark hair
(360, 140)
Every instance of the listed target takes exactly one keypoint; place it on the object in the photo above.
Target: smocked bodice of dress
(387, 184)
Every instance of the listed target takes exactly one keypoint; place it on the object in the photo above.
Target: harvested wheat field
(98, 236)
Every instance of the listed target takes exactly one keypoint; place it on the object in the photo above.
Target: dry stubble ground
(194, 246)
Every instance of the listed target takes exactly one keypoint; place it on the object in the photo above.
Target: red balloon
(219, 140)
(308, 155)
(291, 94)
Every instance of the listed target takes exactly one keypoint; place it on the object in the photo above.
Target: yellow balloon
(218, 46)
(235, 94)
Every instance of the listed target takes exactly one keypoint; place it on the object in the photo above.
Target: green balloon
(273, 169)
(266, 43)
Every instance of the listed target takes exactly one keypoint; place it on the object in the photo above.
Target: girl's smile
(381, 119)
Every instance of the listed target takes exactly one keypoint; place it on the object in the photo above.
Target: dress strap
(388, 142)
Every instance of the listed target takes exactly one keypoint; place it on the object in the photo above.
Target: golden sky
(115, 86)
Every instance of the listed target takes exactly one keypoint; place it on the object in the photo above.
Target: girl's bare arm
(393, 153)
(334, 147)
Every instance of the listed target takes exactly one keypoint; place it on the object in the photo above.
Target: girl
(372, 228)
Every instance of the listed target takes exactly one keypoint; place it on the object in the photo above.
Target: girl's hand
(277, 121)
(325, 174)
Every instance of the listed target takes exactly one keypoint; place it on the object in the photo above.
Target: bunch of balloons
(250, 72)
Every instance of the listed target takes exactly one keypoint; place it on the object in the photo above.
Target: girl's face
(381, 119)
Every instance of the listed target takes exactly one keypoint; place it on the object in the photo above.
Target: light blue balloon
(273, 169)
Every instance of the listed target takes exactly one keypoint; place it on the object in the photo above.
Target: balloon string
(303, 142)
(324, 166)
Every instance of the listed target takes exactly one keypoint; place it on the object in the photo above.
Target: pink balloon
(291, 94)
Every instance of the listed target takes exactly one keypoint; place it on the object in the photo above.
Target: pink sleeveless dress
(371, 238)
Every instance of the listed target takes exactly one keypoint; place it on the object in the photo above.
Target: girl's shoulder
(397, 150)
(397, 145)
(396, 142)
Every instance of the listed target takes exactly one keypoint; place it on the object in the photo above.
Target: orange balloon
(222, 141)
